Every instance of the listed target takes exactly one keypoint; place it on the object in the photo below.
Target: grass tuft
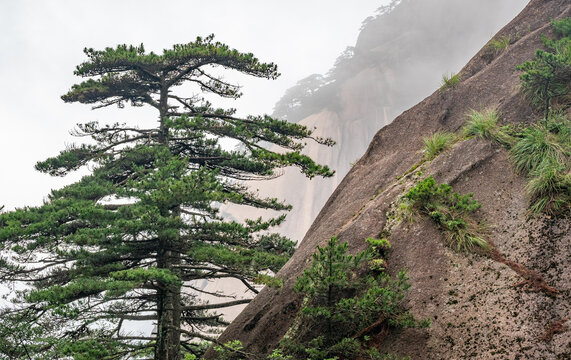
(497, 45)
(449, 81)
(438, 142)
(484, 124)
(544, 153)
(546, 141)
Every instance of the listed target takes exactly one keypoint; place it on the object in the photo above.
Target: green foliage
(277, 354)
(145, 223)
(58, 295)
(562, 27)
(89, 349)
(379, 248)
(450, 210)
(329, 270)
(547, 140)
(340, 298)
(143, 275)
(484, 124)
(438, 142)
(543, 152)
(546, 79)
(271, 281)
(196, 350)
(497, 45)
(232, 350)
(449, 81)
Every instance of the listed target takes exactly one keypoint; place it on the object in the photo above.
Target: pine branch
(216, 306)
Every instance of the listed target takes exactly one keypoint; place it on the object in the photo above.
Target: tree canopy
(129, 242)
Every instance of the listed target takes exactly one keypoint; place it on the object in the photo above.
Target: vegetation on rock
(449, 81)
(484, 125)
(449, 210)
(547, 78)
(344, 303)
(436, 143)
(499, 44)
(543, 152)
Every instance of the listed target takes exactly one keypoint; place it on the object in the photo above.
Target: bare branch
(216, 306)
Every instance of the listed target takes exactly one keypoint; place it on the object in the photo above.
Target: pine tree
(128, 241)
(548, 76)
(346, 297)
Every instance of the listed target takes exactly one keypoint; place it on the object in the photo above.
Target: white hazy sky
(41, 42)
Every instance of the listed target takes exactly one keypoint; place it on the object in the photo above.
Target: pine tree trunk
(169, 306)
(164, 317)
(174, 340)
(168, 314)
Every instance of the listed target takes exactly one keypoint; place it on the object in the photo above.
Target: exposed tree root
(378, 327)
(556, 327)
(532, 279)
(378, 332)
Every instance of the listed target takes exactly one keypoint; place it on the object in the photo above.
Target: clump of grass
(449, 210)
(484, 124)
(547, 140)
(544, 153)
(438, 142)
(549, 188)
(449, 81)
(541, 151)
(497, 45)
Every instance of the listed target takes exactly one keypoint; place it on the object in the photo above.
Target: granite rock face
(480, 308)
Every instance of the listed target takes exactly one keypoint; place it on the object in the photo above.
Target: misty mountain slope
(480, 308)
(398, 59)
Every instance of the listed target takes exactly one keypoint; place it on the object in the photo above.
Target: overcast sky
(41, 42)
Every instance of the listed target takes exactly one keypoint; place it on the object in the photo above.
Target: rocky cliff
(480, 308)
(399, 58)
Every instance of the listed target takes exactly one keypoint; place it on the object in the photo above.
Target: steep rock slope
(477, 310)
(398, 59)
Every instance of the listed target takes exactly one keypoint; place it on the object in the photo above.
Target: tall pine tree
(128, 242)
